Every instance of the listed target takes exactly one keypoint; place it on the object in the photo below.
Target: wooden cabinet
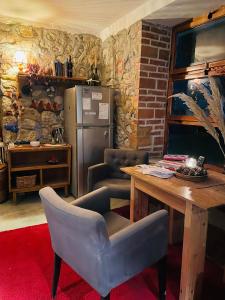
(50, 164)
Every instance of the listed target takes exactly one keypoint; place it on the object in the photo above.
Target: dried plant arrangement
(215, 108)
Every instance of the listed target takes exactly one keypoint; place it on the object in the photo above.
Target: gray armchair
(108, 173)
(100, 245)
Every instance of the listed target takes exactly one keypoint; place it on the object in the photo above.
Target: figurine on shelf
(94, 77)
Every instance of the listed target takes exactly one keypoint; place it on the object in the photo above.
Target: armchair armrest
(97, 173)
(146, 240)
(98, 201)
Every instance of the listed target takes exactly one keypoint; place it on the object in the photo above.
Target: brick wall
(154, 72)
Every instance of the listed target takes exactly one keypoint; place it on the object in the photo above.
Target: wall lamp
(21, 59)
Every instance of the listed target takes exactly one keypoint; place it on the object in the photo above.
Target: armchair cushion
(119, 188)
(118, 158)
(108, 173)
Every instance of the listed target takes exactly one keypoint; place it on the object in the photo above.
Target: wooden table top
(207, 194)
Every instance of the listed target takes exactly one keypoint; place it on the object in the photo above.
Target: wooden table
(191, 199)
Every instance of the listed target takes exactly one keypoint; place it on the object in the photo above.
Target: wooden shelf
(38, 167)
(44, 147)
(51, 77)
(28, 160)
(28, 189)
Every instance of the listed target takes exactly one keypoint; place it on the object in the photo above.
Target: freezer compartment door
(90, 148)
(97, 106)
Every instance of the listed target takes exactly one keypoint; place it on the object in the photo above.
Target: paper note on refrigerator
(103, 111)
(86, 103)
(96, 96)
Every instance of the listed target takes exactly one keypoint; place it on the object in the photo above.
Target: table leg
(133, 200)
(14, 197)
(193, 256)
(143, 203)
(139, 203)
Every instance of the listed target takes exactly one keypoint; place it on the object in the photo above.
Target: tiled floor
(29, 211)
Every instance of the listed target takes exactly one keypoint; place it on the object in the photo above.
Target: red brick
(144, 60)
(157, 93)
(163, 69)
(158, 30)
(142, 104)
(147, 83)
(157, 62)
(158, 140)
(159, 127)
(150, 35)
(160, 113)
(144, 141)
(146, 98)
(158, 44)
(141, 122)
(147, 51)
(165, 39)
(148, 68)
(158, 75)
(161, 99)
(154, 105)
(162, 84)
(158, 148)
(145, 41)
(143, 92)
(152, 122)
(143, 74)
(164, 54)
(146, 113)
(145, 27)
(155, 132)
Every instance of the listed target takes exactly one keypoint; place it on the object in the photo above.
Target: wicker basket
(25, 181)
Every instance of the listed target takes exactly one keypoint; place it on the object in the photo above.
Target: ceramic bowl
(35, 143)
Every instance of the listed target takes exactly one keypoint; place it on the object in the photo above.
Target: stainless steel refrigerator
(88, 114)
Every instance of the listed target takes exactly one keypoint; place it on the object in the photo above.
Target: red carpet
(26, 271)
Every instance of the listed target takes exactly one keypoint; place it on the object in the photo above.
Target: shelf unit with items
(198, 52)
(31, 168)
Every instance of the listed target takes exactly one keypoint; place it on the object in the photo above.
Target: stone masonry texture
(41, 46)
(135, 62)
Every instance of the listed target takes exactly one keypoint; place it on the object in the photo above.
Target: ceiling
(101, 17)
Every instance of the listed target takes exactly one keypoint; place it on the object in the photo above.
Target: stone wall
(154, 73)
(136, 62)
(120, 69)
(42, 47)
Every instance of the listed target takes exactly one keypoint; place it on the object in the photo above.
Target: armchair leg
(106, 297)
(162, 278)
(57, 267)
